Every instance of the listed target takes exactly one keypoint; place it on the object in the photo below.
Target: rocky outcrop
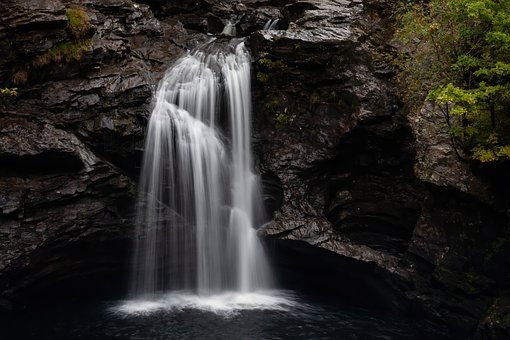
(438, 162)
(72, 137)
(461, 236)
(332, 136)
(71, 140)
(363, 179)
(55, 196)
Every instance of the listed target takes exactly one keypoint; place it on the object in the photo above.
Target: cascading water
(199, 200)
(271, 24)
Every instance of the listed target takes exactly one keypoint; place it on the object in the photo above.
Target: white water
(224, 304)
(229, 30)
(199, 199)
(271, 24)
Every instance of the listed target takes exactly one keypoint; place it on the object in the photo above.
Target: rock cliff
(349, 175)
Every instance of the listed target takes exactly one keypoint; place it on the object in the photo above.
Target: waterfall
(271, 24)
(229, 30)
(199, 199)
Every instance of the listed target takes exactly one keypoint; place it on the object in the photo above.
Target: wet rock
(272, 194)
(348, 178)
(21, 23)
(22, 138)
(438, 162)
(360, 178)
(104, 98)
(60, 195)
(54, 193)
(26, 15)
(496, 324)
(322, 97)
(256, 19)
(320, 21)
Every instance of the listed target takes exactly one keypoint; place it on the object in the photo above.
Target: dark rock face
(350, 180)
(71, 142)
(461, 237)
(330, 132)
(363, 180)
(55, 195)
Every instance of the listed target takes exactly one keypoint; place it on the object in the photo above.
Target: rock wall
(349, 175)
(353, 172)
(71, 140)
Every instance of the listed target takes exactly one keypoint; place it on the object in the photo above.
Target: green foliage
(63, 52)
(70, 50)
(506, 320)
(262, 77)
(496, 247)
(273, 65)
(78, 22)
(282, 119)
(277, 108)
(458, 57)
(78, 26)
(9, 92)
(269, 68)
(272, 105)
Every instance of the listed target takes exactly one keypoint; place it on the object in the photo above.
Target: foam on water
(225, 304)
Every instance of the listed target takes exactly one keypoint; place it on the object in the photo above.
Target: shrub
(459, 59)
(9, 92)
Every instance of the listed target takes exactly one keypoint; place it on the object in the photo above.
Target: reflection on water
(260, 315)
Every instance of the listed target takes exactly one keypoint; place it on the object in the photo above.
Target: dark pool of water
(304, 318)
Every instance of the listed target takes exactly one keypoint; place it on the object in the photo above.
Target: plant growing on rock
(79, 42)
(267, 67)
(262, 77)
(78, 22)
(275, 106)
(68, 51)
(63, 52)
(458, 57)
(275, 65)
(281, 120)
(9, 92)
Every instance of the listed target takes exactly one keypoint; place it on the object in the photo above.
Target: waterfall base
(261, 315)
(226, 304)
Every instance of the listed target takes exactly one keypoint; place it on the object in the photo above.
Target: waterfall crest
(199, 199)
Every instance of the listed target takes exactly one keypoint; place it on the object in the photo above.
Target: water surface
(182, 315)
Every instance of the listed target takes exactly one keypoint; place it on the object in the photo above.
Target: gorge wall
(365, 195)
